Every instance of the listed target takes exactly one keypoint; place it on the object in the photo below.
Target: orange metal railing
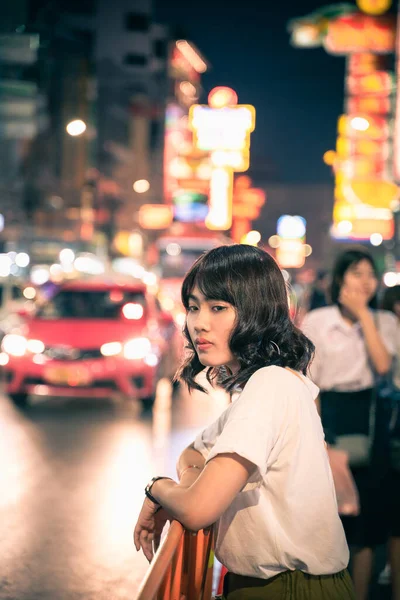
(182, 568)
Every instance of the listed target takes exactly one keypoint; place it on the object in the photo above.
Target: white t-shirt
(341, 359)
(286, 517)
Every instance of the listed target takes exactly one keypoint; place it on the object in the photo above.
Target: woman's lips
(202, 346)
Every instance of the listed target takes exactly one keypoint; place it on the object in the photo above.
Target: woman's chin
(207, 362)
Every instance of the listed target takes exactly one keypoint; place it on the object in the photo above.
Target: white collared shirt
(286, 517)
(341, 360)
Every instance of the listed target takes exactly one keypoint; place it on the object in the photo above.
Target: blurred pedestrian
(355, 344)
(261, 471)
(391, 302)
(319, 291)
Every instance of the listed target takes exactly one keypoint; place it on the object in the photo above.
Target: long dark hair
(250, 280)
(344, 261)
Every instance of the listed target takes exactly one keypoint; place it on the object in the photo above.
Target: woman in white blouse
(355, 344)
(261, 471)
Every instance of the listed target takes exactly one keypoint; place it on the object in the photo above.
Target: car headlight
(111, 349)
(18, 345)
(137, 348)
(35, 346)
(13, 344)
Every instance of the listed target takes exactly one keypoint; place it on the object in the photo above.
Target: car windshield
(90, 304)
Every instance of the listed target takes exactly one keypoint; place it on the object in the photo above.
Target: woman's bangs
(212, 280)
(213, 283)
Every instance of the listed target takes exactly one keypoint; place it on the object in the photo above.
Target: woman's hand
(149, 527)
(345, 487)
(355, 300)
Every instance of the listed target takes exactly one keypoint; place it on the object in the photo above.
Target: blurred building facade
(22, 112)
(109, 65)
(131, 61)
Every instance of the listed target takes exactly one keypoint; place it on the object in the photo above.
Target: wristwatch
(147, 489)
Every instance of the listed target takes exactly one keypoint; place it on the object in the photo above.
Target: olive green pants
(290, 585)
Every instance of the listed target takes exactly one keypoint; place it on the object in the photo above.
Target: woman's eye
(218, 308)
(192, 308)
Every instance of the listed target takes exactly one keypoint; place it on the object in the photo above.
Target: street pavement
(72, 475)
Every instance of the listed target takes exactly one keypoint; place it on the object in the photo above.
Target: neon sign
(223, 128)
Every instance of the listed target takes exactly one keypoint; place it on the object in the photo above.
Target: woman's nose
(202, 323)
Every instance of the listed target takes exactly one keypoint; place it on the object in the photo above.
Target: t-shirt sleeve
(252, 427)
(311, 327)
(389, 330)
(208, 437)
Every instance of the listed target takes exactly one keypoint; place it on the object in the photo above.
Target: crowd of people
(304, 394)
(356, 366)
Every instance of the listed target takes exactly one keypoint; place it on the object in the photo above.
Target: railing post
(182, 568)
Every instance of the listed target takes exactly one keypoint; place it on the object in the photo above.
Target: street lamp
(76, 127)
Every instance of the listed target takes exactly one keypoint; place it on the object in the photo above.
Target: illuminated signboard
(155, 216)
(358, 33)
(291, 230)
(223, 128)
(291, 227)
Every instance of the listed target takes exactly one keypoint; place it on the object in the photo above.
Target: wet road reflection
(71, 478)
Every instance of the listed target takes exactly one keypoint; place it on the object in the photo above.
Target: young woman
(354, 345)
(261, 471)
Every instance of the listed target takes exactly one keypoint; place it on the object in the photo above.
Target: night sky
(298, 93)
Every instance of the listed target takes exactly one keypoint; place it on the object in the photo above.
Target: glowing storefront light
(376, 239)
(390, 279)
(192, 56)
(76, 127)
(141, 186)
(274, 241)
(291, 251)
(222, 96)
(359, 123)
(226, 128)
(292, 227)
(223, 128)
(252, 238)
(220, 213)
(173, 249)
(22, 259)
(344, 227)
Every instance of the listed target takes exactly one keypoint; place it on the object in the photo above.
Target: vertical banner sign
(223, 128)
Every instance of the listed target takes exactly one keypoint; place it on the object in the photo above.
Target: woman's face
(361, 277)
(210, 324)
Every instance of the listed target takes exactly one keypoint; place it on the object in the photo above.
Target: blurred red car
(93, 338)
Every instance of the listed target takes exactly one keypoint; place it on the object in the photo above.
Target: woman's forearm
(190, 457)
(176, 500)
(377, 352)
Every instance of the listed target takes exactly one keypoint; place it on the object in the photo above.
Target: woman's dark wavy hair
(344, 261)
(250, 280)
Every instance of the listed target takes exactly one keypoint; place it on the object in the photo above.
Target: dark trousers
(289, 585)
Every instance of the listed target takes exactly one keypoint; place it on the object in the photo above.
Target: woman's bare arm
(204, 501)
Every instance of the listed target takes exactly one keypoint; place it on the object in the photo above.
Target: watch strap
(147, 489)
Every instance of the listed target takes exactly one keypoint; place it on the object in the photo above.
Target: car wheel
(148, 402)
(20, 399)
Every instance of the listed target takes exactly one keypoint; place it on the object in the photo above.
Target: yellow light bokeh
(374, 7)
(329, 157)
(141, 186)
